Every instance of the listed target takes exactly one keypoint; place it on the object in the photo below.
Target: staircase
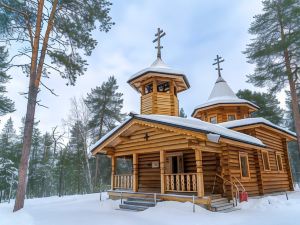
(138, 204)
(221, 204)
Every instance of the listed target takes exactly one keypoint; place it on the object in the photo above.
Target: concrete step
(140, 203)
(229, 210)
(221, 207)
(143, 199)
(215, 196)
(219, 200)
(133, 207)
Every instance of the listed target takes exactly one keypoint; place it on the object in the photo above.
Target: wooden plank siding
(250, 184)
(222, 112)
(148, 177)
(274, 180)
(262, 181)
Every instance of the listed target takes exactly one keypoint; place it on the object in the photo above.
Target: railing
(233, 185)
(181, 182)
(123, 181)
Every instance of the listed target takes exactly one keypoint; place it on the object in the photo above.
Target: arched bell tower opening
(159, 85)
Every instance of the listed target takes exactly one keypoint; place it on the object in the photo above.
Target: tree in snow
(6, 105)
(268, 104)
(53, 36)
(8, 156)
(182, 113)
(105, 105)
(275, 50)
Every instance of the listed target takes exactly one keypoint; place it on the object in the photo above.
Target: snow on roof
(223, 94)
(189, 124)
(159, 66)
(251, 121)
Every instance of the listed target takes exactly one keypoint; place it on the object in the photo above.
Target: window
(279, 162)
(163, 87)
(213, 119)
(266, 162)
(244, 165)
(230, 117)
(148, 88)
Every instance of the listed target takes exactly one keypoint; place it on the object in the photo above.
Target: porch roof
(188, 124)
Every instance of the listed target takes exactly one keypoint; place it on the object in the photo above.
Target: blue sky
(196, 31)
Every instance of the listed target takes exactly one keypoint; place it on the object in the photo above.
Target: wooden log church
(221, 151)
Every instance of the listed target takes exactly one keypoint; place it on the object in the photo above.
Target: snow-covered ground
(88, 210)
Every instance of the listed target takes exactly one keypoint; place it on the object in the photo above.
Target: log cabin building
(220, 150)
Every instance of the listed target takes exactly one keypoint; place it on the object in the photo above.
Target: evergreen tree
(54, 35)
(268, 103)
(8, 157)
(182, 113)
(6, 105)
(275, 50)
(105, 105)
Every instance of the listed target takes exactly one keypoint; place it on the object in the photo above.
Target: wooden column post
(135, 184)
(199, 169)
(113, 168)
(162, 171)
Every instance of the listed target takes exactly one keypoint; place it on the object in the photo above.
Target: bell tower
(159, 85)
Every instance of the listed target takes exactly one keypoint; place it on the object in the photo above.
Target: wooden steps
(138, 204)
(221, 204)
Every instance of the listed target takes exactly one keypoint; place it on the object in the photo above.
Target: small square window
(213, 119)
(231, 117)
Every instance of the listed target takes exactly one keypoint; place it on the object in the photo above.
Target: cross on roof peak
(160, 33)
(218, 60)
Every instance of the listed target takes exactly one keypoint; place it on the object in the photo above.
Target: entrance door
(174, 163)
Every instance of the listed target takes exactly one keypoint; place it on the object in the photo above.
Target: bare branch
(51, 90)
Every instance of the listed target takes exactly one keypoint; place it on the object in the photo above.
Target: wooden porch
(187, 175)
(118, 194)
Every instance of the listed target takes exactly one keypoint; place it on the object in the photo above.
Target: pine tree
(105, 105)
(6, 105)
(275, 50)
(182, 113)
(268, 104)
(54, 35)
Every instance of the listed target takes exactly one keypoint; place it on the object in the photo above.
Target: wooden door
(174, 163)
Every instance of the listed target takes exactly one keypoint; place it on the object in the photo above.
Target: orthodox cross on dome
(160, 33)
(218, 60)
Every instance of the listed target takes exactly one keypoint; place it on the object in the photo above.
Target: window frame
(231, 114)
(268, 159)
(212, 116)
(150, 84)
(244, 154)
(278, 154)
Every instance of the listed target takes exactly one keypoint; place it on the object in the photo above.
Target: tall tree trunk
(23, 168)
(292, 82)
